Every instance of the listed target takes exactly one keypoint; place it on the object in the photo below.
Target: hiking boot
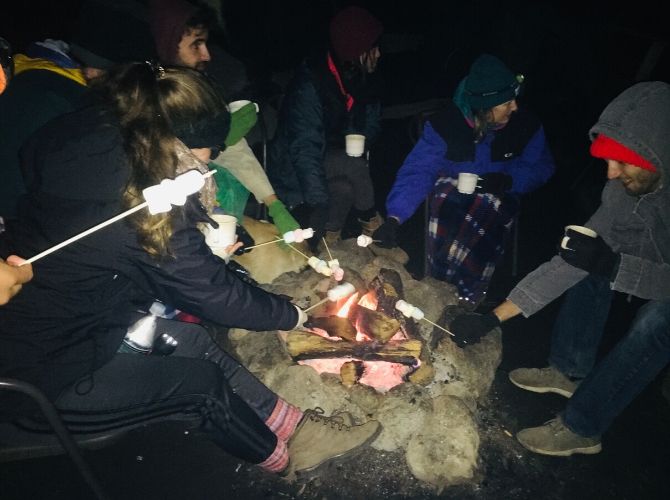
(370, 226)
(555, 439)
(547, 379)
(318, 439)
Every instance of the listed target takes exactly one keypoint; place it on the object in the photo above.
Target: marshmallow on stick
(295, 236)
(414, 312)
(364, 240)
(298, 235)
(338, 272)
(334, 294)
(409, 310)
(158, 198)
(320, 266)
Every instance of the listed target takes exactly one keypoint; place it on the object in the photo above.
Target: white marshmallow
(333, 263)
(340, 291)
(307, 233)
(364, 240)
(319, 265)
(409, 310)
(338, 273)
(161, 197)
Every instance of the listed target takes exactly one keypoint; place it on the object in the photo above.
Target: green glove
(282, 218)
(241, 122)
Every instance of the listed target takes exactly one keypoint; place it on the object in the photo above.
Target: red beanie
(609, 149)
(354, 31)
(168, 20)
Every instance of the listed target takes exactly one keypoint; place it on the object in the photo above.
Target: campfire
(367, 358)
(363, 338)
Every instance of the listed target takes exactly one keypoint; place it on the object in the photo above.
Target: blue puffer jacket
(446, 148)
(313, 118)
(71, 318)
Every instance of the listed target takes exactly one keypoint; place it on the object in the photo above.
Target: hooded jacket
(636, 227)
(313, 118)
(71, 318)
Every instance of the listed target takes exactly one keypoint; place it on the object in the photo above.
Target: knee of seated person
(653, 321)
(340, 186)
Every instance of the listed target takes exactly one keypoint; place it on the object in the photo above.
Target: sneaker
(318, 439)
(555, 439)
(547, 379)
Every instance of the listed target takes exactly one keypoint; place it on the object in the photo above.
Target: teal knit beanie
(490, 83)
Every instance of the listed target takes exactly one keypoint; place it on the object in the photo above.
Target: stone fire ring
(433, 421)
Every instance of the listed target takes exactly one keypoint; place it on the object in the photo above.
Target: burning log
(334, 326)
(374, 324)
(305, 345)
(388, 288)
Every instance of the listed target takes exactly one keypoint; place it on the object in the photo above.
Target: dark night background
(576, 57)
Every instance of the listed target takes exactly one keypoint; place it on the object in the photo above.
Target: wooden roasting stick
(119, 217)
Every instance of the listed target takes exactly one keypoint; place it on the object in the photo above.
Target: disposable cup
(467, 183)
(580, 229)
(235, 105)
(355, 144)
(224, 235)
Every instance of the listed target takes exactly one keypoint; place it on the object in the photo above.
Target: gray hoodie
(637, 227)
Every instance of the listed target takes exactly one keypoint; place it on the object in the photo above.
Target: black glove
(592, 255)
(245, 238)
(495, 183)
(469, 328)
(386, 235)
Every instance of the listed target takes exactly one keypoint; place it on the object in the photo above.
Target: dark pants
(616, 380)
(349, 185)
(199, 384)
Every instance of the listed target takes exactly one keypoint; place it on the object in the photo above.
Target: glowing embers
(359, 343)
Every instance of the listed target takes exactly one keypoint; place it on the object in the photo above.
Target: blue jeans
(626, 370)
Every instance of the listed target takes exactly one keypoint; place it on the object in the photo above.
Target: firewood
(334, 326)
(351, 372)
(388, 288)
(304, 345)
(374, 324)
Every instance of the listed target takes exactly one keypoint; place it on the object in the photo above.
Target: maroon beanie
(354, 31)
(168, 21)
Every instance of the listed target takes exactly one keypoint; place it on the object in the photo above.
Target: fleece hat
(490, 83)
(354, 31)
(609, 149)
(107, 34)
(168, 20)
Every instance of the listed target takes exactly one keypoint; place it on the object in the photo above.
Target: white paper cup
(355, 144)
(467, 183)
(224, 236)
(580, 229)
(235, 105)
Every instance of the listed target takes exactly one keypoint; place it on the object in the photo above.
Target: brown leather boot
(370, 226)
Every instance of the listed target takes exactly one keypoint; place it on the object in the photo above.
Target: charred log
(334, 326)
(374, 324)
(304, 345)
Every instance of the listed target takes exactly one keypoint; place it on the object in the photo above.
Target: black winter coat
(71, 318)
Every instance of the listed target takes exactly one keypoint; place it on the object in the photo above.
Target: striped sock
(284, 419)
(278, 459)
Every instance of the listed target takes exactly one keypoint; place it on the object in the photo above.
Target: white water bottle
(141, 334)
